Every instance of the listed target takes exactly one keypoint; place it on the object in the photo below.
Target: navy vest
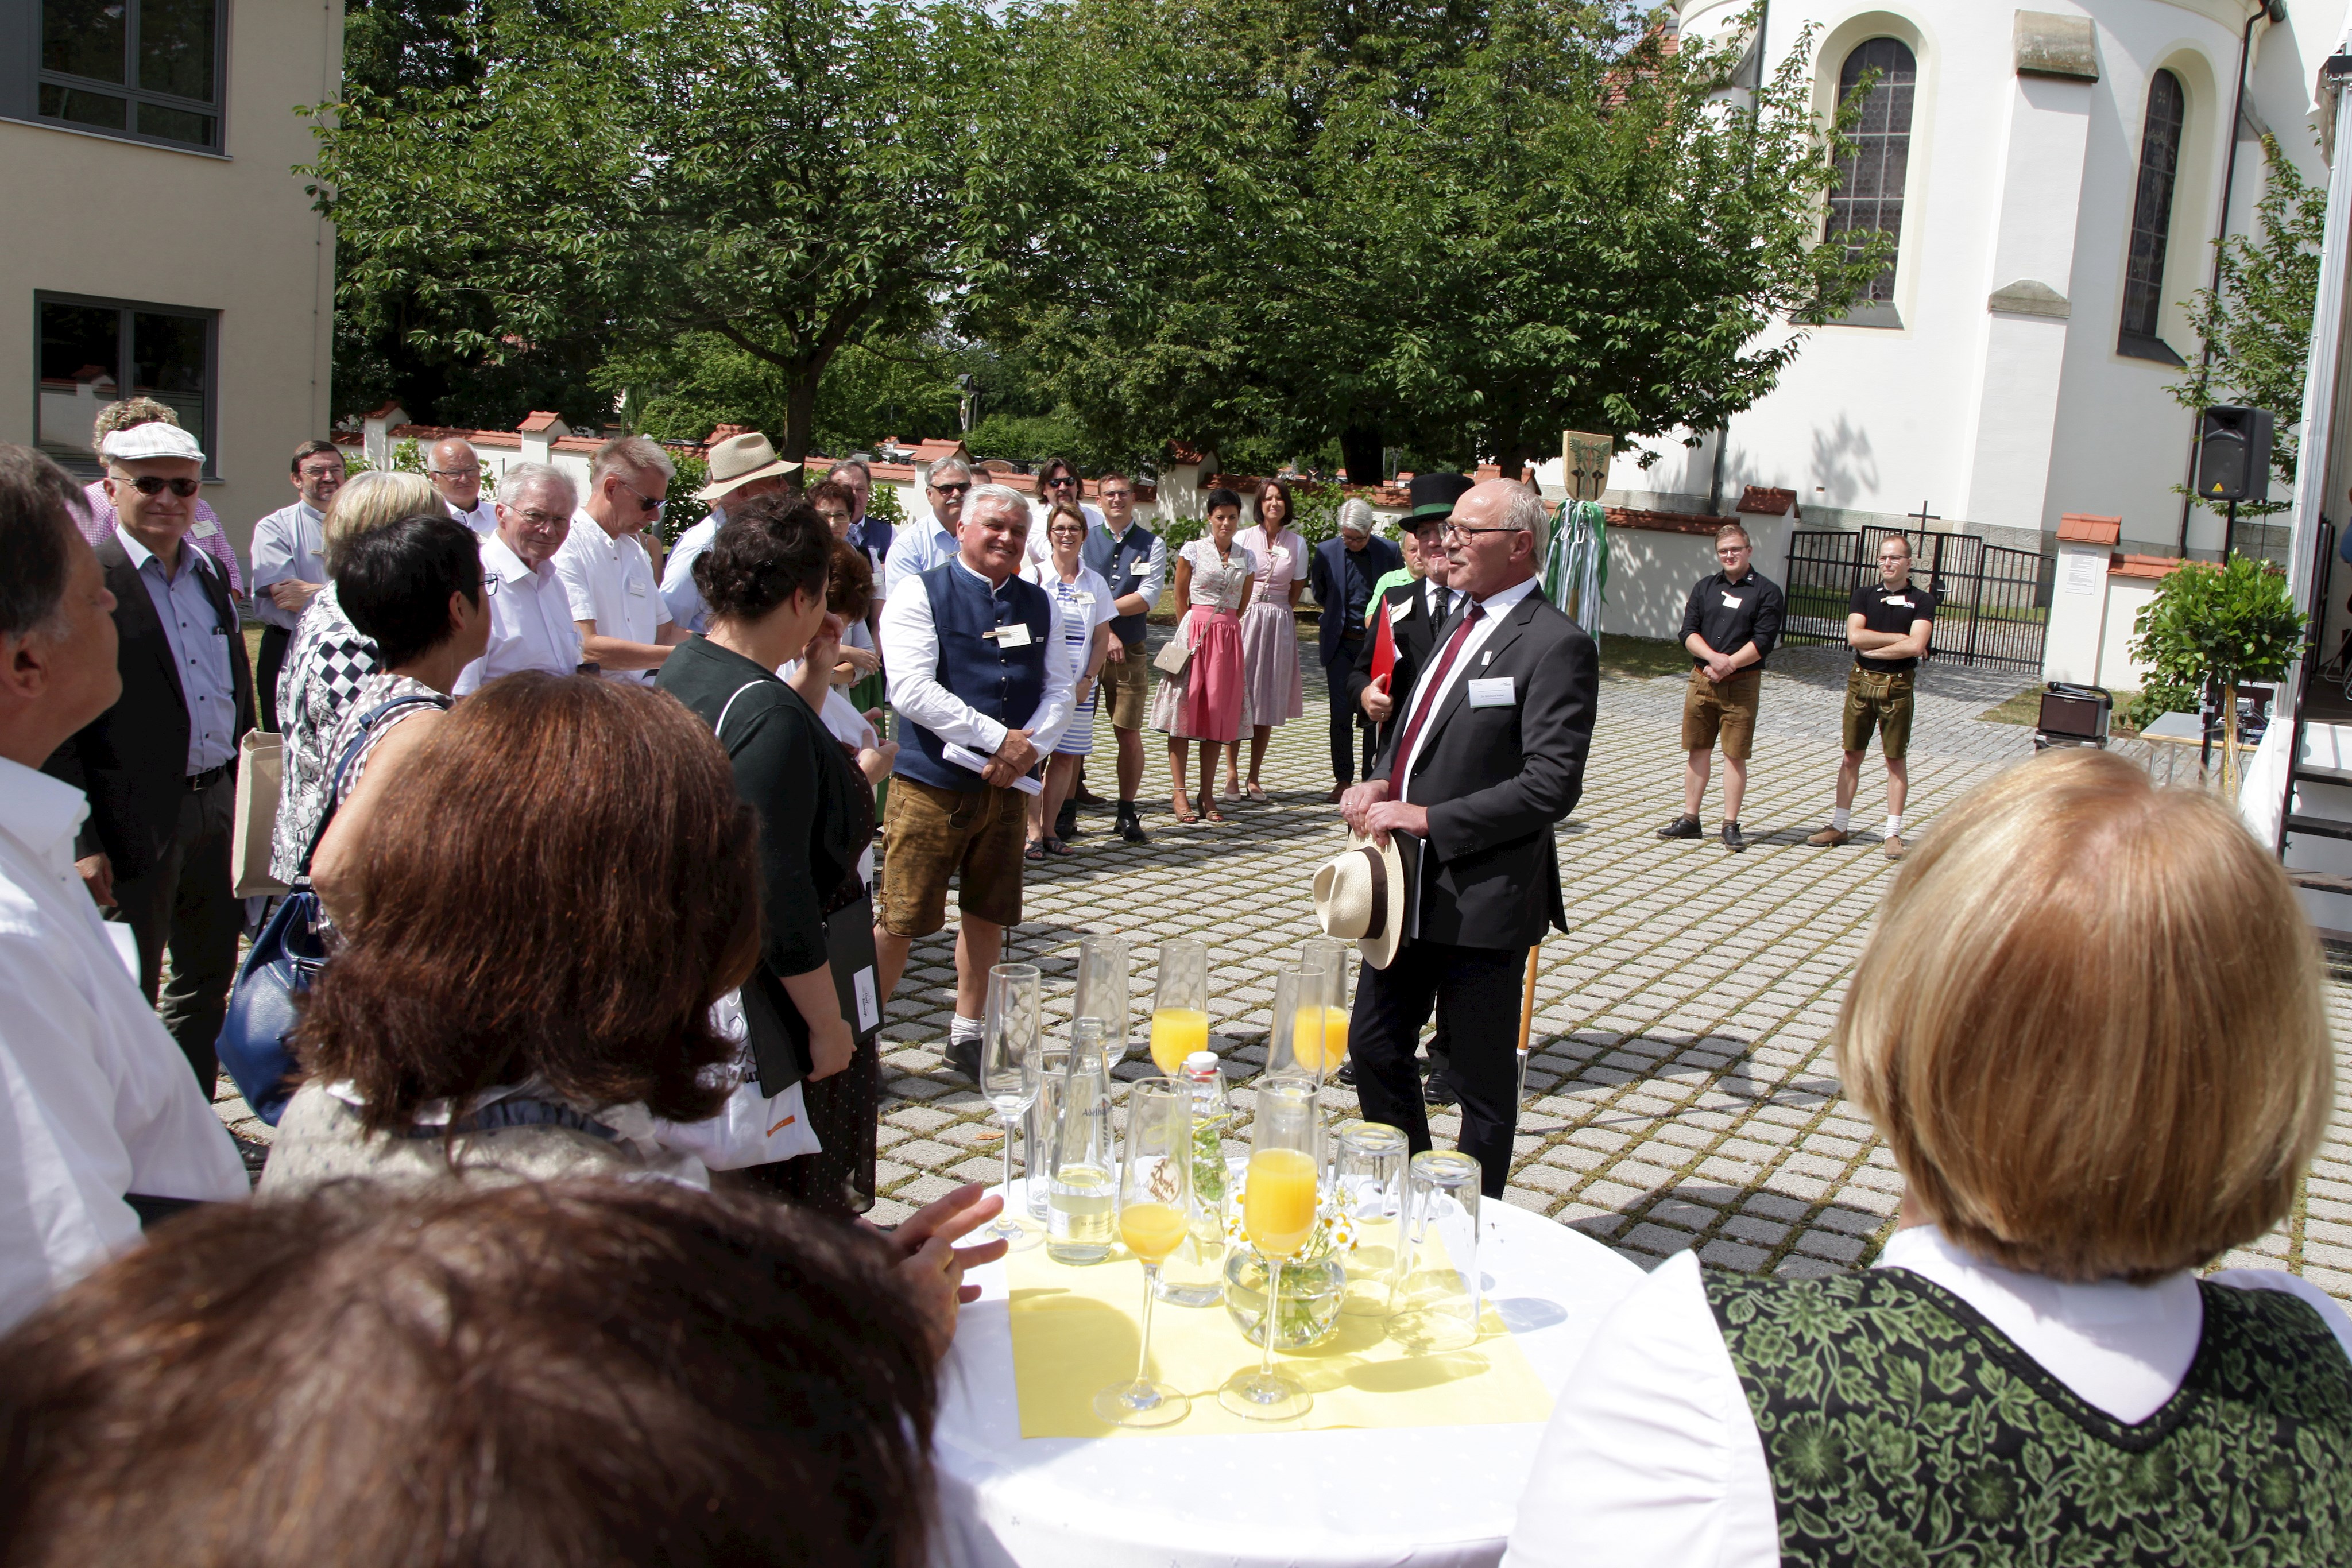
(1008, 685)
(1122, 559)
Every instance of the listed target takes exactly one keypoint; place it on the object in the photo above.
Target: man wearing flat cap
(160, 765)
(742, 468)
(1485, 759)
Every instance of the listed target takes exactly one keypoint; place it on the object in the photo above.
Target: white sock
(1842, 819)
(1894, 824)
(964, 1031)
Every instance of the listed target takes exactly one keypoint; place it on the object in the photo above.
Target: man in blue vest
(981, 680)
(1134, 562)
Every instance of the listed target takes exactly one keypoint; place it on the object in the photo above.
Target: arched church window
(2159, 164)
(1868, 196)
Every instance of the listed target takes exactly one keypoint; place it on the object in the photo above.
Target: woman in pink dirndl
(1269, 633)
(1210, 701)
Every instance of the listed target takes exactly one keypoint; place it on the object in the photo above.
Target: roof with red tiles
(1764, 501)
(2082, 528)
(2151, 568)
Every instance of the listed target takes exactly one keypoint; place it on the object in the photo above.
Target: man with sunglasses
(1058, 481)
(920, 547)
(288, 568)
(625, 630)
(160, 765)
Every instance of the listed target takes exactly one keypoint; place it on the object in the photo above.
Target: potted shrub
(2219, 625)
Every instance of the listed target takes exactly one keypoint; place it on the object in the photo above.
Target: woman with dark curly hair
(765, 580)
(531, 948)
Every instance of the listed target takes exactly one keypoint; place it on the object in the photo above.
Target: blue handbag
(284, 959)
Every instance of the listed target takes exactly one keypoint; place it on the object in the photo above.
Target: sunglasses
(150, 485)
(950, 489)
(1064, 482)
(644, 502)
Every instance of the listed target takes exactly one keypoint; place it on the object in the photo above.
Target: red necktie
(1429, 693)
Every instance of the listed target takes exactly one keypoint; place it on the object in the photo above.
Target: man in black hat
(1341, 577)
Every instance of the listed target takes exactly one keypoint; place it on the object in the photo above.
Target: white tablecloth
(1432, 1497)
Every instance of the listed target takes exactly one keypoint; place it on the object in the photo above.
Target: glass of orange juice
(1323, 1013)
(1155, 1212)
(1180, 1004)
(1278, 1214)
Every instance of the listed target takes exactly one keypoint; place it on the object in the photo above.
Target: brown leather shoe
(1336, 790)
(1829, 838)
(1894, 847)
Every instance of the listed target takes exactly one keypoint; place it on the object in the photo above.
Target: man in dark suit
(1487, 759)
(160, 765)
(1341, 577)
(1415, 610)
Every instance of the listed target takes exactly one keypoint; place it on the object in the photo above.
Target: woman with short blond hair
(2090, 1028)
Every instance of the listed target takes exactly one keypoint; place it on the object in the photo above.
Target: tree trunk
(800, 415)
(1360, 454)
(2228, 740)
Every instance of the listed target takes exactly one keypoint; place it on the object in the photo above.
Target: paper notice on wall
(2086, 571)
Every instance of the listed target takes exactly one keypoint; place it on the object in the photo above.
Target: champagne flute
(1279, 1216)
(1180, 1004)
(1286, 1055)
(1322, 1026)
(1103, 973)
(1155, 1200)
(1011, 1062)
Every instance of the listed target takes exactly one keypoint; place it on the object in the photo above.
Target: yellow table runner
(1076, 1332)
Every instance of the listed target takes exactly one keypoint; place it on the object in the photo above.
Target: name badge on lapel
(1730, 603)
(637, 587)
(1899, 603)
(1013, 636)
(1398, 609)
(1492, 691)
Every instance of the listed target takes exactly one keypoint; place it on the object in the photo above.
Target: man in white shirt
(742, 468)
(530, 615)
(625, 630)
(1057, 483)
(96, 1101)
(922, 545)
(288, 568)
(456, 470)
(981, 676)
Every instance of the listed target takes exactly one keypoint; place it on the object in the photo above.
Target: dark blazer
(1414, 633)
(1326, 578)
(1496, 780)
(132, 760)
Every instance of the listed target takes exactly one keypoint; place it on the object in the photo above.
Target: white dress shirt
(911, 652)
(199, 637)
(919, 548)
(531, 620)
(610, 580)
(681, 597)
(287, 548)
(1465, 664)
(1653, 1457)
(483, 520)
(99, 1101)
(1039, 549)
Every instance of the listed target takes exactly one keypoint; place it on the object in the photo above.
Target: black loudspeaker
(2233, 455)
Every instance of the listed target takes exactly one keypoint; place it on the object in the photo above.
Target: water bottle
(1082, 1186)
(1195, 1274)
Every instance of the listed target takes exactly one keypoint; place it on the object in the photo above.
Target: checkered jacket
(325, 663)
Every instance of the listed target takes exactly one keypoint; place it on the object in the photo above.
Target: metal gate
(1992, 603)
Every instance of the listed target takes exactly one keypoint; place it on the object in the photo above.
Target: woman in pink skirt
(1209, 702)
(1269, 632)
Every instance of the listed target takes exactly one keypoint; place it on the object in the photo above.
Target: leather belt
(200, 782)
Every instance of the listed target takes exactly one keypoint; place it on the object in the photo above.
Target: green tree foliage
(2219, 625)
(783, 176)
(1449, 228)
(2258, 322)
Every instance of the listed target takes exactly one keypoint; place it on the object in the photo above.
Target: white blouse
(1653, 1457)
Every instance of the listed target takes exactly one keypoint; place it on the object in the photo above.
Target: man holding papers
(981, 680)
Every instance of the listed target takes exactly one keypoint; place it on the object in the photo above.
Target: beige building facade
(159, 242)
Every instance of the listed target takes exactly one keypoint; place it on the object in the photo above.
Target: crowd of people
(596, 845)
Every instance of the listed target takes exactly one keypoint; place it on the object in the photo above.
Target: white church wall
(2004, 420)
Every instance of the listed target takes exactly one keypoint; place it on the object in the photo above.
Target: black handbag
(285, 958)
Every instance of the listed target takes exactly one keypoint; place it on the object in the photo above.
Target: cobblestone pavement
(1680, 1089)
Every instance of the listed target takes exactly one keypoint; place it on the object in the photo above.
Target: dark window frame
(125, 379)
(22, 81)
(2140, 334)
(1881, 151)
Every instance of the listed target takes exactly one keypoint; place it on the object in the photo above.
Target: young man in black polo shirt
(1729, 626)
(1888, 624)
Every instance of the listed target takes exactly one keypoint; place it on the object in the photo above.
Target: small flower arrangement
(1334, 1234)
